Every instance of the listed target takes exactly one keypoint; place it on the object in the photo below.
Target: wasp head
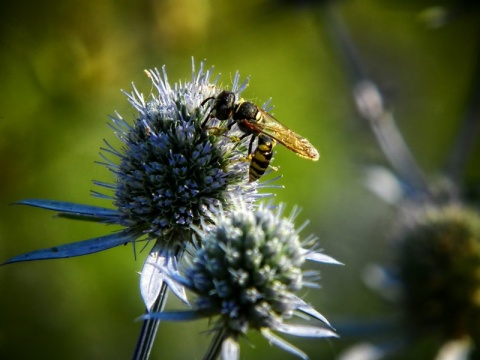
(223, 105)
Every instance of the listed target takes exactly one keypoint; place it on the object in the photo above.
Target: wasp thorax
(247, 111)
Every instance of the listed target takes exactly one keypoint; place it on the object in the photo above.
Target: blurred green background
(62, 66)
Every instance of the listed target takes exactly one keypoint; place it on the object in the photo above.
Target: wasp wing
(291, 140)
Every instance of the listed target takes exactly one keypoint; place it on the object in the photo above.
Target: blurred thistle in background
(433, 279)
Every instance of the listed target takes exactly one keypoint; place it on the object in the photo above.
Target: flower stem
(369, 101)
(468, 132)
(216, 345)
(149, 328)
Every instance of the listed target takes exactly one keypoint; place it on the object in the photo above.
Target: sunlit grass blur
(62, 66)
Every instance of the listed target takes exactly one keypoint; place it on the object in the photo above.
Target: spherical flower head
(246, 276)
(249, 269)
(174, 171)
(439, 269)
(249, 266)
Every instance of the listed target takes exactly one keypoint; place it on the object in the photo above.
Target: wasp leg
(209, 113)
(205, 121)
(252, 139)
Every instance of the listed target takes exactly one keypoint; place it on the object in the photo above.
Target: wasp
(261, 157)
(254, 121)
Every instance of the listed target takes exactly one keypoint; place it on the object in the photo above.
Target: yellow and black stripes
(260, 158)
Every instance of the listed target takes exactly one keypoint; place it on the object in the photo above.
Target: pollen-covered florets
(175, 172)
(248, 269)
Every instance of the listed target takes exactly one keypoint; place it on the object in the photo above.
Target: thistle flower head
(248, 269)
(173, 171)
(438, 261)
(247, 274)
(433, 279)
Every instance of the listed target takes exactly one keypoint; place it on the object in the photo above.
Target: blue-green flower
(171, 175)
(246, 276)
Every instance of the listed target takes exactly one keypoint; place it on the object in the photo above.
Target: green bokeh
(62, 66)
